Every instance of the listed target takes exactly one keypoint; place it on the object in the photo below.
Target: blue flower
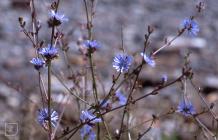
(164, 78)
(105, 103)
(37, 62)
(91, 44)
(59, 17)
(86, 115)
(92, 136)
(186, 108)
(148, 60)
(49, 52)
(191, 26)
(121, 98)
(87, 132)
(122, 62)
(43, 117)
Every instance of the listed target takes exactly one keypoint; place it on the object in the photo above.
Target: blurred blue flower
(186, 108)
(122, 62)
(121, 98)
(164, 78)
(191, 26)
(87, 132)
(60, 17)
(43, 117)
(86, 115)
(49, 52)
(148, 60)
(105, 104)
(37, 62)
(92, 136)
(92, 44)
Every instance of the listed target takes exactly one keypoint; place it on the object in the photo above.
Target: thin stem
(65, 101)
(33, 15)
(204, 127)
(69, 90)
(154, 92)
(110, 91)
(133, 87)
(49, 99)
(40, 88)
(125, 109)
(170, 42)
(204, 101)
(94, 86)
(52, 35)
(147, 130)
(89, 24)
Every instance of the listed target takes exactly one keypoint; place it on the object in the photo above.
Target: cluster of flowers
(50, 51)
(121, 62)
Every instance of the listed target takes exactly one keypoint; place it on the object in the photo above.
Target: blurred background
(19, 93)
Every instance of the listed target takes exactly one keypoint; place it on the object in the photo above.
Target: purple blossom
(87, 132)
(164, 78)
(121, 98)
(49, 52)
(59, 17)
(92, 44)
(148, 60)
(86, 115)
(105, 103)
(122, 62)
(43, 117)
(191, 26)
(37, 62)
(186, 108)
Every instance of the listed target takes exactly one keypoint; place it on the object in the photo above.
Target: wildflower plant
(43, 116)
(121, 98)
(86, 116)
(92, 44)
(87, 132)
(49, 52)
(122, 62)
(94, 106)
(150, 61)
(186, 108)
(56, 19)
(191, 26)
(38, 63)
